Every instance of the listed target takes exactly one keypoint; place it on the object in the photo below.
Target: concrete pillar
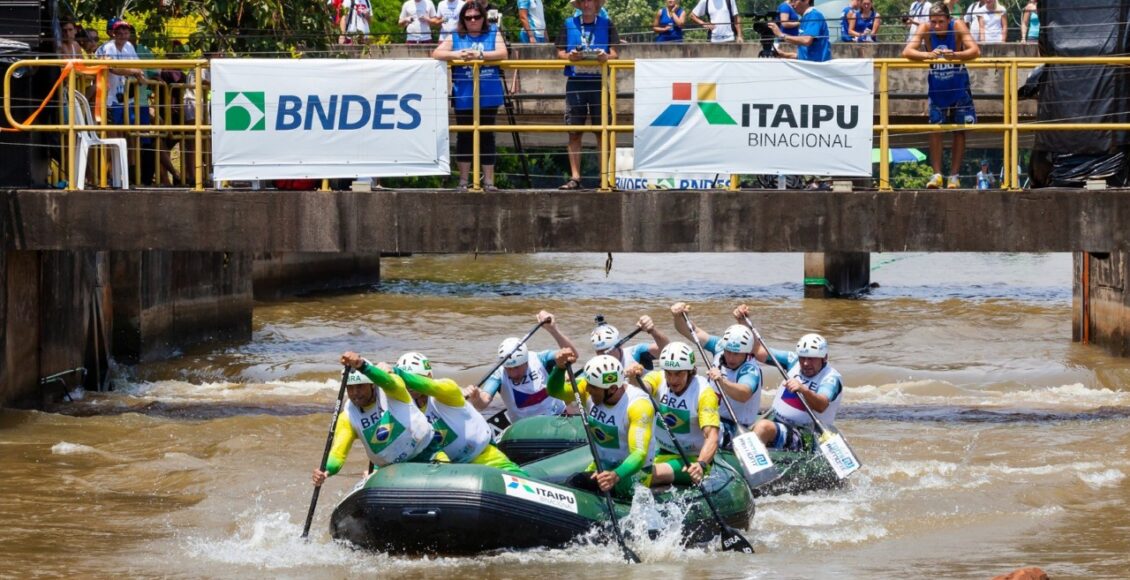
(1101, 301)
(277, 275)
(836, 274)
(165, 301)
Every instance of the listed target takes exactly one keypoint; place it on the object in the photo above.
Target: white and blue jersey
(747, 375)
(787, 406)
(640, 353)
(527, 397)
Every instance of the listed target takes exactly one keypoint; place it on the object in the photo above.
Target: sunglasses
(473, 17)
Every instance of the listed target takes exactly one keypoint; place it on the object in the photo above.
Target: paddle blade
(839, 454)
(757, 467)
(732, 541)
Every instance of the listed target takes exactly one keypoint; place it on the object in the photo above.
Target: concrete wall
(1102, 304)
(277, 275)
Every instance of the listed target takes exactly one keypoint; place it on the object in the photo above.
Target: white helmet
(415, 363)
(604, 372)
(519, 354)
(676, 356)
(812, 346)
(604, 337)
(356, 378)
(738, 338)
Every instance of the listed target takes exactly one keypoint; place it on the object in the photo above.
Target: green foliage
(908, 175)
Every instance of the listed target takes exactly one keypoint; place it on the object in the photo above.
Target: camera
(599, 319)
(761, 27)
(591, 53)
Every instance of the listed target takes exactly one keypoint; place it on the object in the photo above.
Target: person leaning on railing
(474, 40)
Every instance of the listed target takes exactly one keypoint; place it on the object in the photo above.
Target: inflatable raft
(433, 508)
(535, 437)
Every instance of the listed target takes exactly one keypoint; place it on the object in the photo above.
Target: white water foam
(65, 448)
(1071, 397)
(265, 541)
(1106, 478)
(172, 390)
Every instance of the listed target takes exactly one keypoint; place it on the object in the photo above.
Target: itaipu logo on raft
(781, 124)
(533, 491)
(253, 111)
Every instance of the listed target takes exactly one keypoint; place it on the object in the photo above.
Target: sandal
(490, 187)
(571, 184)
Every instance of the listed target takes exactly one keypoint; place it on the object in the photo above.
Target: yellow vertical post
(198, 134)
(1006, 120)
(612, 134)
(1014, 165)
(605, 101)
(884, 130)
(476, 181)
(103, 120)
(72, 171)
(134, 138)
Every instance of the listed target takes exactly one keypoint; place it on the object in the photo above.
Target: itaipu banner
(755, 116)
(326, 118)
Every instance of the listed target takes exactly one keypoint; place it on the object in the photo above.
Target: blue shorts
(959, 113)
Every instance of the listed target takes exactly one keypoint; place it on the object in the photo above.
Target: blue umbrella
(909, 155)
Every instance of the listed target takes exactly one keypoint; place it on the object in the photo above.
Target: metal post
(72, 172)
(612, 134)
(1014, 164)
(605, 100)
(884, 131)
(476, 180)
(198, 134)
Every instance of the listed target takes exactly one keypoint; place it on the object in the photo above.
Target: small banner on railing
(754, 116)
(327, 118)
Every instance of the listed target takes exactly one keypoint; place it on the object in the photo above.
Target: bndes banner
(757, 116)
(323, 118)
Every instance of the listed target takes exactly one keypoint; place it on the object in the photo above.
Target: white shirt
(919, 14)
(116, 83)
(419, 10)
(991, 23)
(717, 13)
(449, 11)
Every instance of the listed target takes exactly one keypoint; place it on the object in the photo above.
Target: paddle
(732, 540)
(326, 453)
(757, 466)
(832, 445)
(629, 555)
(498, 421)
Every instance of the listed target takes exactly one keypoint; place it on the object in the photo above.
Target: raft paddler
(622, 421)
(462, 435)
(787, 425)
(605, 339)
(734, 369)
(689, 406)
(521, 380)
(390, 426)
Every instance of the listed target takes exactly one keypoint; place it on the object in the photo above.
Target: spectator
(590, 38)
(845, 21)
(971, 20)
(919, 13)
(788, 18)
(120, 48)
(1030, 23)
(992, 22)
(949, 95)
(531, 14)
(863, 24)
(813, 43)
(474, 39)
(417, 17)
(448, 11)
(668, 24)
(68, 43)
(984, 177)
(723, 21)
(354, 21)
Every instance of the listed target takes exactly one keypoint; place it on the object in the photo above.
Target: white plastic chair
(87, 139)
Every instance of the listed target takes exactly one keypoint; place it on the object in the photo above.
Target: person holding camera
(723, 21)
(474, 39)
(588, 40)
(668, 24)
(812, 40)
(417, 17)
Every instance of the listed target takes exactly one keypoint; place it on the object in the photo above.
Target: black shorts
(582, 100)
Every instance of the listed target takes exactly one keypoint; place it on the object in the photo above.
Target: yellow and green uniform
(625, 441)
(687, 414)
(392, 429)
(461, 433)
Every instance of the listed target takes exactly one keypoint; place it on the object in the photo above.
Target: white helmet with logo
(604, 372)
(812, 346)
(415, 363)
(519, 354)
(676, 356)
(604, 337)
(738, 338)
(356, 378)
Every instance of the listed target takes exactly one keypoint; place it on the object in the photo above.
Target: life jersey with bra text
(392, 431)
(528, 397)
(683, 413)
(790, 409)
(610, 427)
(948, 82)
(460, 432)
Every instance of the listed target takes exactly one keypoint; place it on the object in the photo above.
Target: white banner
(627, 179)
(755, 116)
(324, 118)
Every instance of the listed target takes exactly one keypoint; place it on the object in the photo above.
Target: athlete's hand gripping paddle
(757, 466)
(326, 453)
(498, 421)
(832, 444)
(732, 540)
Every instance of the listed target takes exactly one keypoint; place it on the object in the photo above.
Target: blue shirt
(676, 32)
(813, 24)
(786, 9)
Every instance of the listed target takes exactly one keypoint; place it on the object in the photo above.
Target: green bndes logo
(245, 111)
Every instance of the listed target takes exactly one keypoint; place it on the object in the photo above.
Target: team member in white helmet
(521, 380)
(787, 425)
(734, 369)
(390, 427)
(621, 418)
(462, 435)
(689, 406)
(605, 336)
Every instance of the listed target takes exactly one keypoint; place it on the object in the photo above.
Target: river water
(990, 440)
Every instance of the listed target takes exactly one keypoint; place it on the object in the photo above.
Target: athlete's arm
(709, 422)
(559, 388)
(641, 416)
(343, 440)
(444, 391)
(392, 385)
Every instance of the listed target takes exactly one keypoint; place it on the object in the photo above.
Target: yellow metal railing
(609, 127)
